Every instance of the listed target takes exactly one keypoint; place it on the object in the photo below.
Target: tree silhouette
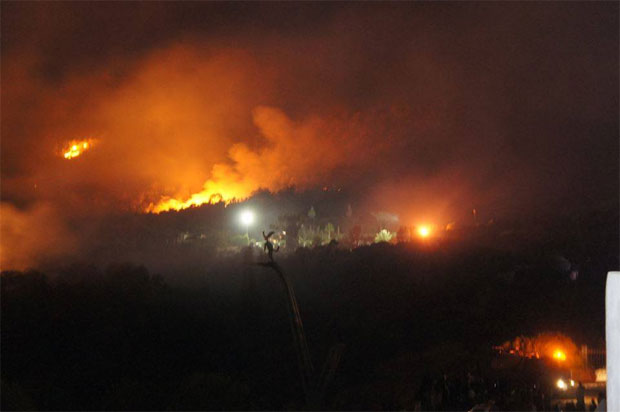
(311, 213)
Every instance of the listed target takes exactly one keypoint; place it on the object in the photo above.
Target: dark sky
(423, 106)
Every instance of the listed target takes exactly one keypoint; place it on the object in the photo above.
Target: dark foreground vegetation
(412, 319)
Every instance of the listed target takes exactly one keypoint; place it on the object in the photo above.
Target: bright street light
(559, 355)
(424, 231)
(247, 218)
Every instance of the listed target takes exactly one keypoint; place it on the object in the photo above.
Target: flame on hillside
(222, 187)
(295, 153)
(206, 196)
(75, 148)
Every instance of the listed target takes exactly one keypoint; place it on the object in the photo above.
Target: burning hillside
(190, 116)
(75, 148)
(299, 154)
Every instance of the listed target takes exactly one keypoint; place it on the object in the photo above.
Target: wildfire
(212, 193)
(169, 203)
(76, 147)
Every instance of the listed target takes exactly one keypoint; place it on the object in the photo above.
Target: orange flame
(213, 192)
(76, 147)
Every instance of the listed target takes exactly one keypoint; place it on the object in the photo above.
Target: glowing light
(559, 355)
(572, 382)
(247, 217)
(561, 384)
(75, 148)
(424, 231)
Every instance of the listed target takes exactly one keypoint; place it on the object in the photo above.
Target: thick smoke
(296, 154)
(33, 236)
(416, 105)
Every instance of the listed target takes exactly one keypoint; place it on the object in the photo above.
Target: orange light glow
(424, 231)
(552, 346)
(76, 147)
(559, 355)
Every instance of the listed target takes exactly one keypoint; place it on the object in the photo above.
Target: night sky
(425, 108)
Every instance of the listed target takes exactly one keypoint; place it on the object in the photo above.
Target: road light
(247, 218)
(561, 384)
(424, 231)
(559, 355)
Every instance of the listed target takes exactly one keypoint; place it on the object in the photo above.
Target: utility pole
(313, 385)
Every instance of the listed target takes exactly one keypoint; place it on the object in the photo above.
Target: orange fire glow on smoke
(296, 153)
(76, 147)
